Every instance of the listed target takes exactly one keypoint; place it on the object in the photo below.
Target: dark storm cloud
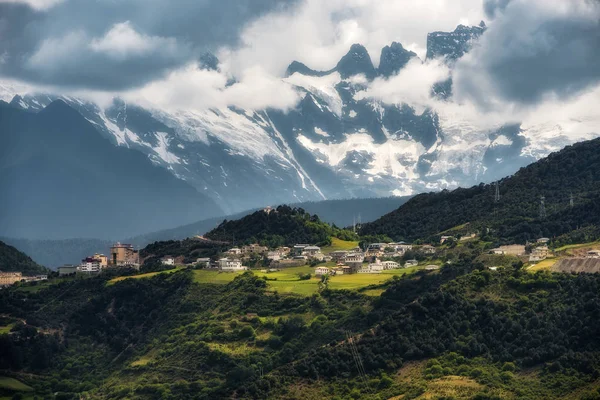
(534, 49)
(53, 47)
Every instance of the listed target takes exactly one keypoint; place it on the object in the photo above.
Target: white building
(593, 254)
(168, 260)
(411, 263)
(390, 265)
(227, 264)
(274, 255)
(320, 271)
(234, 251)
(354, 260)
(311, 251)
(90, 264)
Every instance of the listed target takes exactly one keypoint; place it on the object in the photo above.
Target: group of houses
(539, 250)
(121, 255)
(10, 278)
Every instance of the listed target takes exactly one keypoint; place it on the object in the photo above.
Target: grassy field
(142, 276)
(576, 246)
(13, 384)
(5, 329)
(543, 265)
(338, 244)
(288, 281)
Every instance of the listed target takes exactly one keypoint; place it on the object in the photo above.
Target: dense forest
(12, 260)
(572, 173)
(507, 333)
(282, 226)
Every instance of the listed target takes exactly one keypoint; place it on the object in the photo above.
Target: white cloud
(35, 4)
(122, 41)
(194, 88)
(57, 50)
(412, 85)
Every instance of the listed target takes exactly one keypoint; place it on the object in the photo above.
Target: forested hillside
(12, 260)
(464, 330)
(282, 226)
(573, 171)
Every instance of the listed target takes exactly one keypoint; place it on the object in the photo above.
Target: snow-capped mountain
(334, 144)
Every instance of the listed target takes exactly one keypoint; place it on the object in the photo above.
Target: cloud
(35, 4)
(491, 7)
(109, 62)
(195, 88)
(110, 45)
(412, 85)
(122, 41)
(533, 51)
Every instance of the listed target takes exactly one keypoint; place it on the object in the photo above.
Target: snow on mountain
(334, 144)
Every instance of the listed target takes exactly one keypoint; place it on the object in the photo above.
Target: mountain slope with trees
(505, 334)
(573, 171)
(12, 260)
(281, 226)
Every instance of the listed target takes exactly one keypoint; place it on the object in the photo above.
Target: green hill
(461, 332)
(282, 226)
(12, 260)
(574, 171)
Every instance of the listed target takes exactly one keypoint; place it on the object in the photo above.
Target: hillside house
(320, 271)
(35, 278)
(543, 240)
(432, 267)
(103, 260)
(234, 251)
(376, 267)
(445, 238)
(370, 269)
(168, 260)
(400, 247)
(124, 255)
(10, 278)
(203, 262)
(593, 254)
(387, 265)
(338, 255)
(90, 264)
(231, 265)
(354, 260)
(411, 263)
(539, 253)
(298, 249)
(274, 255)
(254, 249)
(510, 250)
(311, 251)
(67, 269)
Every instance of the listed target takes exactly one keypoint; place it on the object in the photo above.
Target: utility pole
(572, 201)
(497, 196)
(542, 207)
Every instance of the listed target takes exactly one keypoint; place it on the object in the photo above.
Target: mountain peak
(393, 59)
(209, 61)
(301, 68)
(356, 61)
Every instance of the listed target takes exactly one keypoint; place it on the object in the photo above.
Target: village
(373, 258)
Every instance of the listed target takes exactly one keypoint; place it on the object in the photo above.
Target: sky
(536, 59)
